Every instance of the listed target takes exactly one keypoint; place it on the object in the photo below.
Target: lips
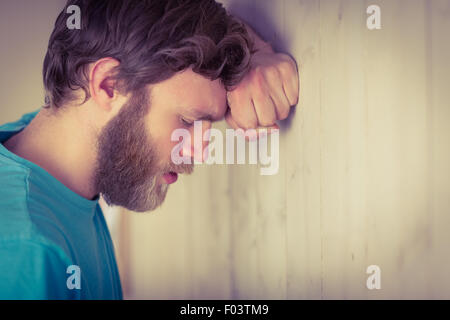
(170, 177)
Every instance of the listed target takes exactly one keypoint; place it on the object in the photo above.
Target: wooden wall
(363, 179)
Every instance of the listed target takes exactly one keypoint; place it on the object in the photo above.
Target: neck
(64, 144)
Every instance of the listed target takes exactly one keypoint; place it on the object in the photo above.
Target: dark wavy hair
(152, 40)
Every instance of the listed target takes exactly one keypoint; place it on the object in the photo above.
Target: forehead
(191, 92)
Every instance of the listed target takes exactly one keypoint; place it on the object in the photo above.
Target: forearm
(266, 95)
(260, 44)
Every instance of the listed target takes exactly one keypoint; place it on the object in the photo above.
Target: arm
(260, 44)
(267, 92)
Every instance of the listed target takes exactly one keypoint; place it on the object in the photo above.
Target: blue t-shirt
(54, 244)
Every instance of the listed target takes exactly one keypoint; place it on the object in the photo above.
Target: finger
(280, 101)
(265, 110)
(261, 131)
(243, 112)
(233, 124)
(274, 84)
(292, 91)
(290, 80)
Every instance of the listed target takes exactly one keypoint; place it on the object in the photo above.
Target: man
(115, 91)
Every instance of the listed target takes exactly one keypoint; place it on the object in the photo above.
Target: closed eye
(186, 122)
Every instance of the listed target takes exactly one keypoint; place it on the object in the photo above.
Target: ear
(101, 86)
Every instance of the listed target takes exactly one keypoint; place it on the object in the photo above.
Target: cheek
(159, 133)
(160, 127)
(163, 145)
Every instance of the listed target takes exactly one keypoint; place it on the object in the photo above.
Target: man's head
(141, 69)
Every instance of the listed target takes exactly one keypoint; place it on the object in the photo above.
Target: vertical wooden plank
(122, 252)
(438, 24)
(243, 240)
(399, 228)
(158, 250)
(342, 148)
(179, 251)
(373, 165)
(302, 138)
(208, 239)
(259, 202)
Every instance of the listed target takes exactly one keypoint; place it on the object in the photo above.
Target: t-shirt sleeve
(31, 270)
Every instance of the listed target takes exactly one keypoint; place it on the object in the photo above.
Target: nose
(197, 147)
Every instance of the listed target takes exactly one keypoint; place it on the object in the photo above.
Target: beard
(128, 169)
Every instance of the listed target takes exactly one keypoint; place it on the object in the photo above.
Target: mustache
(179, 168)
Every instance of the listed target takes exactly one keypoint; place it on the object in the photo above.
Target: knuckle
(259, 86)
(257, 72)
(272, 72)
(258, 77)
(286, 68)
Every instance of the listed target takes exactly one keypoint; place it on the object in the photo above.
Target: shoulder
(14, 215)
(25, 212)
(33, 264)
